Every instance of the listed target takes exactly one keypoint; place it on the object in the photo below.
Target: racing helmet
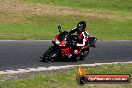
(81, 26)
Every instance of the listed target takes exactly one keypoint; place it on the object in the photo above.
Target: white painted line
(52, 68)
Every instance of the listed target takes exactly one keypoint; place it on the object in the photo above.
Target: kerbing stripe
(18, 71)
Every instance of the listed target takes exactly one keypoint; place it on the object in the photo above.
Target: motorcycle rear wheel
(85, 53)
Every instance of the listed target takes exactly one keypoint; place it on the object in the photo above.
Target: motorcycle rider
(82, 36)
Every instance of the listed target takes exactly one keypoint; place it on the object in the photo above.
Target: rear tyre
(74, 58)
(82, 58)
(84, 54)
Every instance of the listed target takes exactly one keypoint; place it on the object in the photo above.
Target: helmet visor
(81, 28)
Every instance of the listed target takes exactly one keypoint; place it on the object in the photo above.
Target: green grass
(45, 27)
(110, 69)
(106, 19)
(68, 79)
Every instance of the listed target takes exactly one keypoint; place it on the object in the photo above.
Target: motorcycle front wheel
(48, 55)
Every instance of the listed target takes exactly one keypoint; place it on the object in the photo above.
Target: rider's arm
(73, 31)
(85, 39)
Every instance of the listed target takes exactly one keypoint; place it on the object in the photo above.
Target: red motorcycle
(64, 48)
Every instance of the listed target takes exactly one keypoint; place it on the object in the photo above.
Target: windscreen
(63, 36)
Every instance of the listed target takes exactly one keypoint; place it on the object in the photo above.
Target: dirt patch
(12, 11)
(2, 34)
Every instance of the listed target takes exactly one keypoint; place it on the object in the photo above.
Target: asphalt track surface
(25, 54)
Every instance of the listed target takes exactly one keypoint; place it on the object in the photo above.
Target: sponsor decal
(83, 78)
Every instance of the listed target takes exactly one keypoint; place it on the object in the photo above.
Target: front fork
(55, 51)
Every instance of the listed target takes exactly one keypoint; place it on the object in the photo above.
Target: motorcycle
(64, 46)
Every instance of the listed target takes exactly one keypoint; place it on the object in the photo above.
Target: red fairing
(54, 38)
(79, 34)
(62, 43)
(76, 52)
(65, 52)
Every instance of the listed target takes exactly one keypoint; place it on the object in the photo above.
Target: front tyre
(47, 56)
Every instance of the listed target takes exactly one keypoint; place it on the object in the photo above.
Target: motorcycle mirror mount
(59, 28)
